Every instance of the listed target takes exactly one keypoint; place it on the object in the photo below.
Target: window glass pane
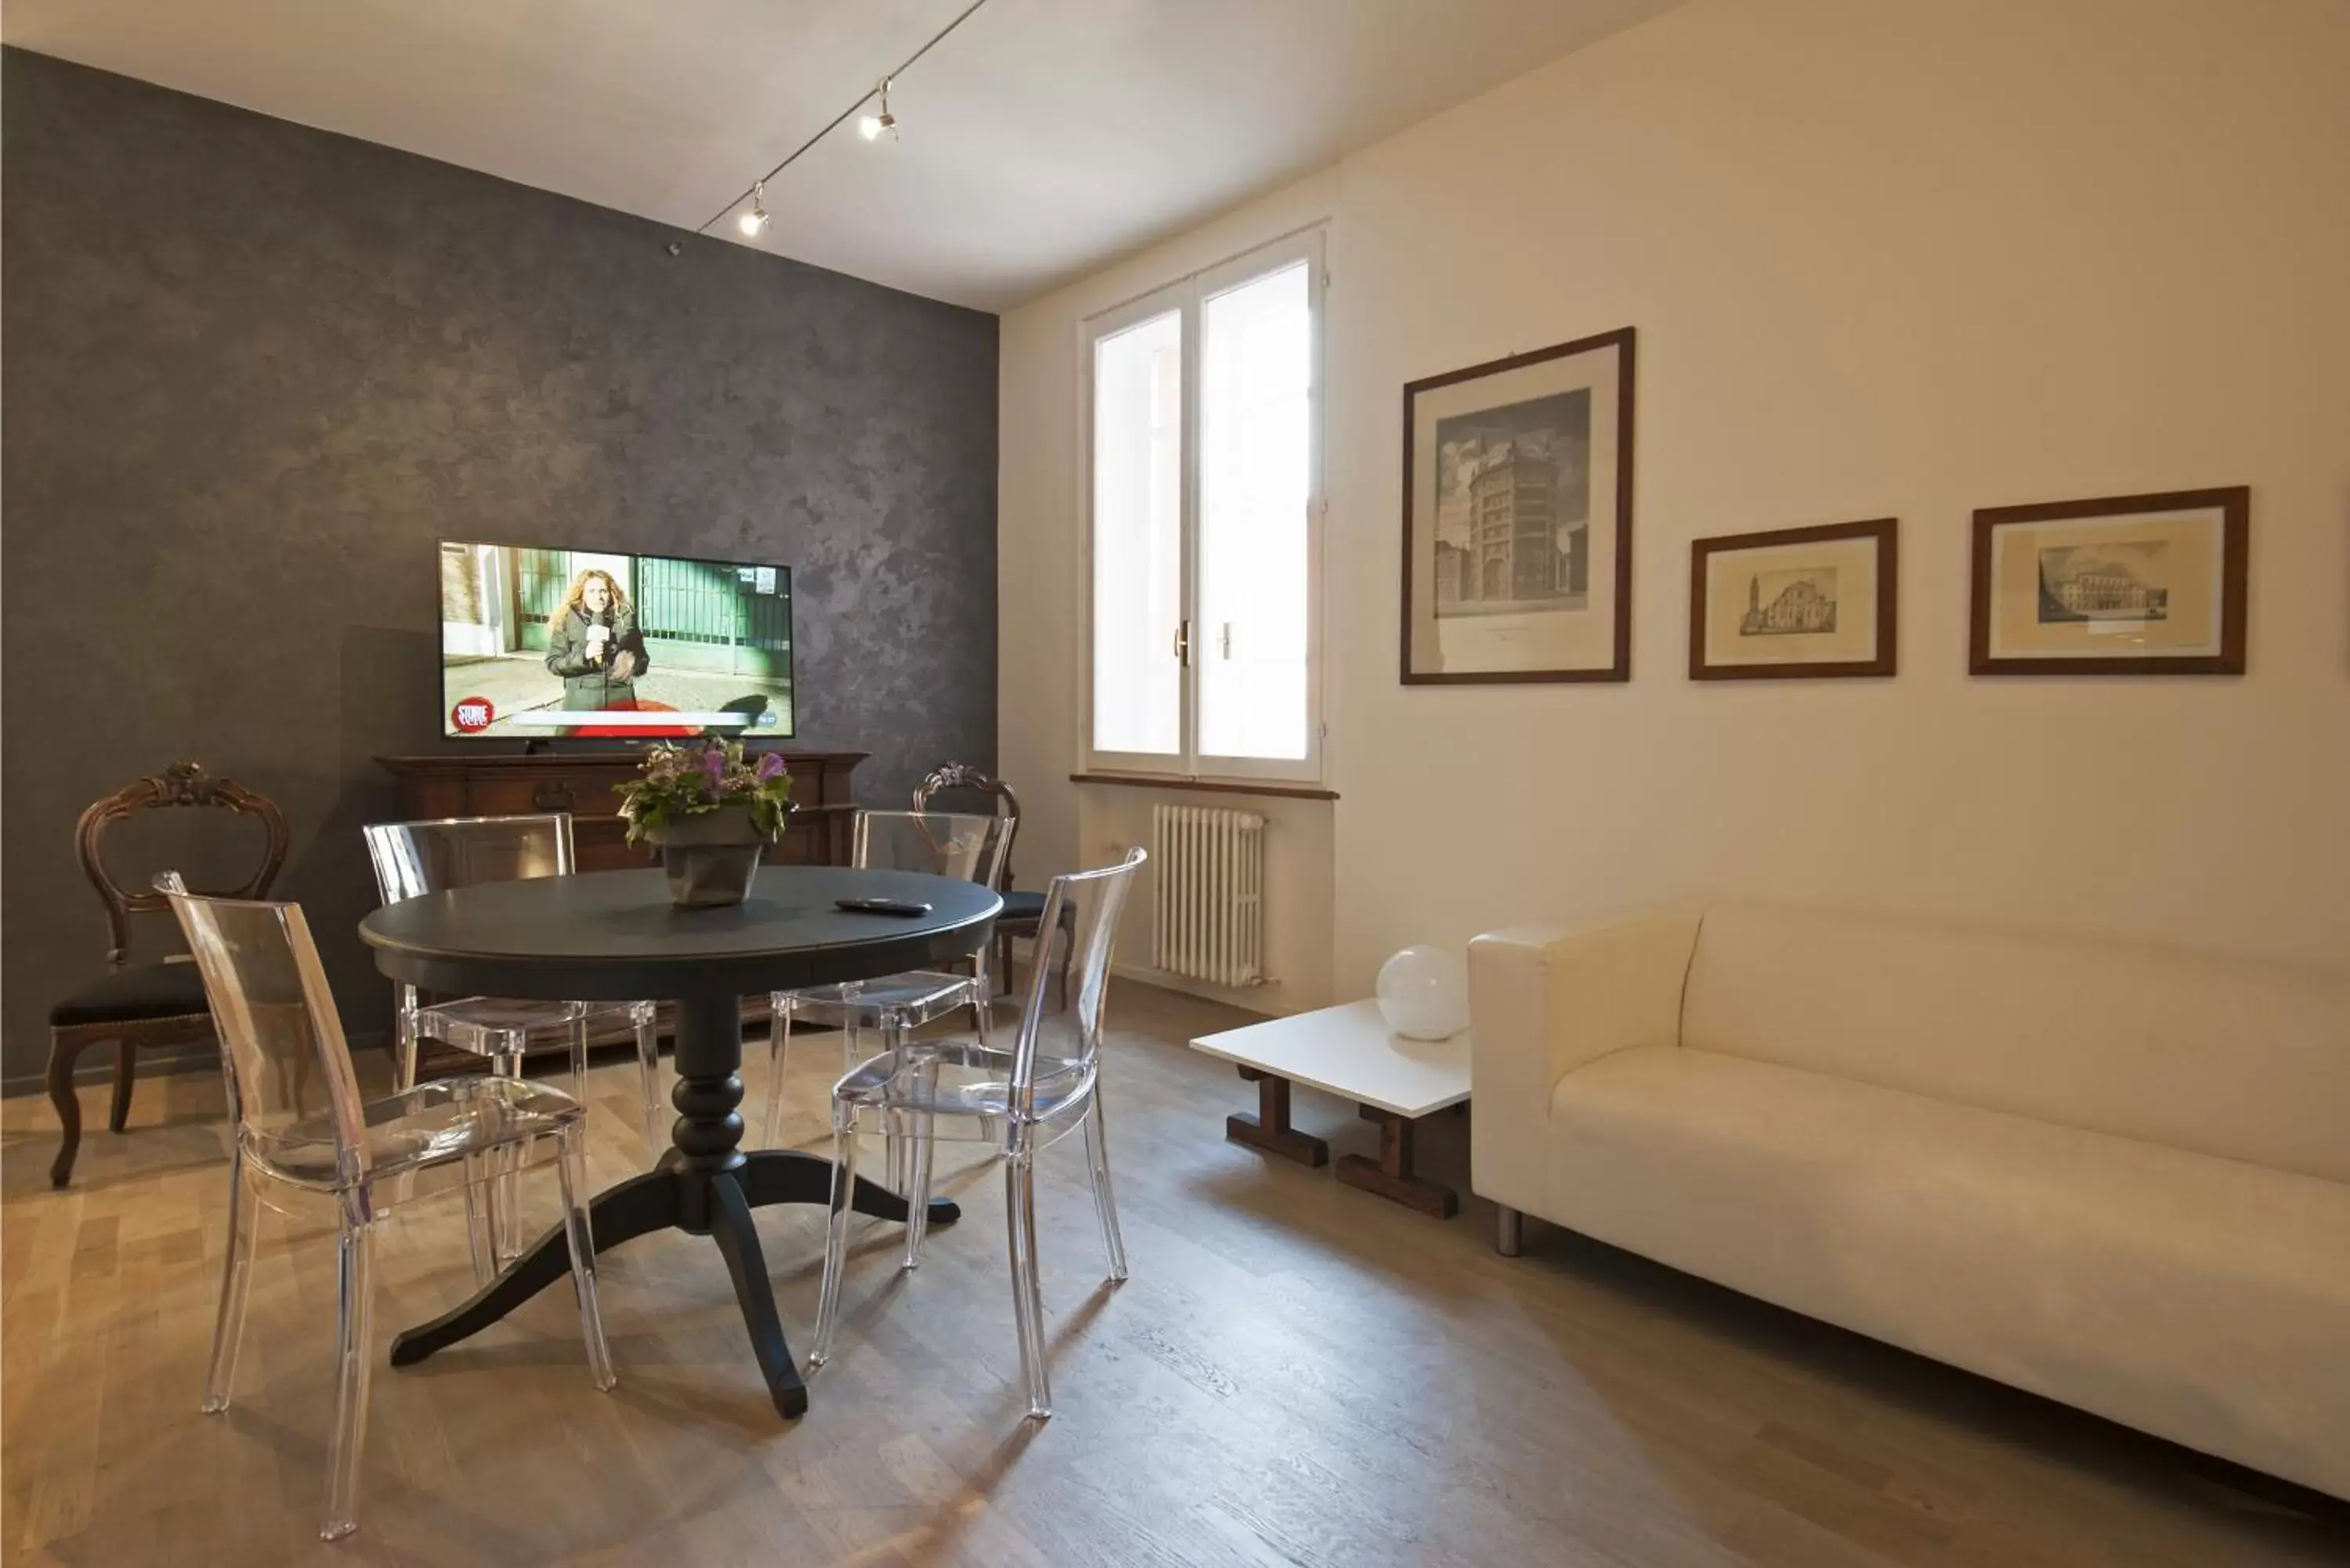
(1138, 535)
(1256, 353)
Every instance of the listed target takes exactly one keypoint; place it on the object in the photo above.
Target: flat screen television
(540, 644)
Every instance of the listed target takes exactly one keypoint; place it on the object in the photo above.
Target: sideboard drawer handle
(551, 796)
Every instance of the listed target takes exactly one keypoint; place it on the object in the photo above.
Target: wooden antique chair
(1023, 912)
(144, 1004)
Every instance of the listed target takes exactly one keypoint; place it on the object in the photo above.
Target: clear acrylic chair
(412, 858)
(944, 843)
(1021, 1101)
(294, 1101)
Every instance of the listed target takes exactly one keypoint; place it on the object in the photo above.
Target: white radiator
(1211, 866)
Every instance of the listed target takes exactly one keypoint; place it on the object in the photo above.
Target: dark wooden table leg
(712, 1170)
(737, 1236)
(705, 1184)
(677, 1194)
(1269, 1129)
(637, 1207)
(707, 1135)
(792, 1176)
(1391, 1175)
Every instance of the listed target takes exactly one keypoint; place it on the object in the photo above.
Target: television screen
(553, 644)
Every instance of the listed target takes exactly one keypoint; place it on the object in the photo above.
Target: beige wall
(1884, 259)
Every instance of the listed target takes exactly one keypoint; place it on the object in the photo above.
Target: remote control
(882, 907)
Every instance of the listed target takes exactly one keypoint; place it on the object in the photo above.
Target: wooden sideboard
(491, 783)
(509, 784)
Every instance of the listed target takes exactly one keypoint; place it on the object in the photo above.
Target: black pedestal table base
(704, 1186)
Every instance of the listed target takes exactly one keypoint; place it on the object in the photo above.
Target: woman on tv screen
(544, 644)
(594, 644)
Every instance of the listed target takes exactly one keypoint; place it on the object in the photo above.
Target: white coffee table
(1349, 1052)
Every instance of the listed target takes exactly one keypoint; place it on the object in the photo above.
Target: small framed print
(1517, 507)
(2129, 585)
(1794, 603)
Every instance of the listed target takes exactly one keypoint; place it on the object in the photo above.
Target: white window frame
(1189, 296)
(1175, 298)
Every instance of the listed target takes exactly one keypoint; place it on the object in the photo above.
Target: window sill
(1272, 788)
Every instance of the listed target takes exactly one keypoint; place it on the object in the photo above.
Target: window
(1204, 510)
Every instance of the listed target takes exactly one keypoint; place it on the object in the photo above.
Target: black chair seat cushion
(127, 995)
(1022, 911)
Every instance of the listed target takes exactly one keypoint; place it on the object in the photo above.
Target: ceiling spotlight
(872, 125)
(752, 222)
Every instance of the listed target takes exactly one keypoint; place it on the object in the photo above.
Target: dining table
(614, 936)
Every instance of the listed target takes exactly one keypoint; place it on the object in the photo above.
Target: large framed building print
(1517, 500)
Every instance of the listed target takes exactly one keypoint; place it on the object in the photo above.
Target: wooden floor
(1298, 1373)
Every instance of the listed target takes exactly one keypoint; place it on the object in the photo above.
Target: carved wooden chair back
(1003, 802)
(182, 784)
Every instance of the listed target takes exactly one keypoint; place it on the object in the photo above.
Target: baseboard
(96, 1064)
(1250, 999)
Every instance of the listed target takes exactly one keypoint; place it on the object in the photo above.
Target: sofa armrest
(1544, 999)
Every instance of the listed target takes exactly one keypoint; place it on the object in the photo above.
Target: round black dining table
(613, 936)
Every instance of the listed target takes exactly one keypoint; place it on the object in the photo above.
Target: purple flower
(770, 765)
(713, 763)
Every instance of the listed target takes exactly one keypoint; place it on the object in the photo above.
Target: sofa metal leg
(1508, 1231)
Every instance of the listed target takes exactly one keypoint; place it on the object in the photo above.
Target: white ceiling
(1041, 140)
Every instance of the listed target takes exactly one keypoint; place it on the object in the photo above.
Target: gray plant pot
(709, 859)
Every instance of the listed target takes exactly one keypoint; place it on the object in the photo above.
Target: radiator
(1210, 867)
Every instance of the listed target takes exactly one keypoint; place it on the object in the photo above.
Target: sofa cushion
(2238, 1058)
(2206, 1300)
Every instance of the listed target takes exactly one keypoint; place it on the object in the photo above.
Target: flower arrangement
(675, 782)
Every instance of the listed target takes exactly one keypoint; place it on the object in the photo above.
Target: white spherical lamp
(1423, 993)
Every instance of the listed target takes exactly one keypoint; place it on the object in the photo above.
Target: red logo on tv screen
(472, 715)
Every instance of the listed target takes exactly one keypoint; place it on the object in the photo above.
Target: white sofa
(2115, 1176)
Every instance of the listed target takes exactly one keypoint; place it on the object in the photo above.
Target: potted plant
(711, 810)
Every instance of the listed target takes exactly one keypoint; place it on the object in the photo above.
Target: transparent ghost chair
(299, 1124)
(944, 843)
(1021, 1101)
(412, 858)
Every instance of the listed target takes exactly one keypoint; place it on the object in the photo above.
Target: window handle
(1184, 643)
(1228, 639)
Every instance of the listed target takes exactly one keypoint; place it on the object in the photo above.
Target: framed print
(1517, 505)
(2131, 584)
(1795, 602)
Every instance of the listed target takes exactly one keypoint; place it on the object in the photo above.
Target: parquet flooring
(1298, 1373)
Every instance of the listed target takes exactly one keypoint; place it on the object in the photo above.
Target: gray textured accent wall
(252, 373)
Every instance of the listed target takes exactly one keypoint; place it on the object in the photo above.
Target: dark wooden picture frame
(1623, 340)
(1885, 531)
(2234, 503)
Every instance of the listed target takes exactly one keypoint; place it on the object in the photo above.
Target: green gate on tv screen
(541, 579)
(706, 615)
